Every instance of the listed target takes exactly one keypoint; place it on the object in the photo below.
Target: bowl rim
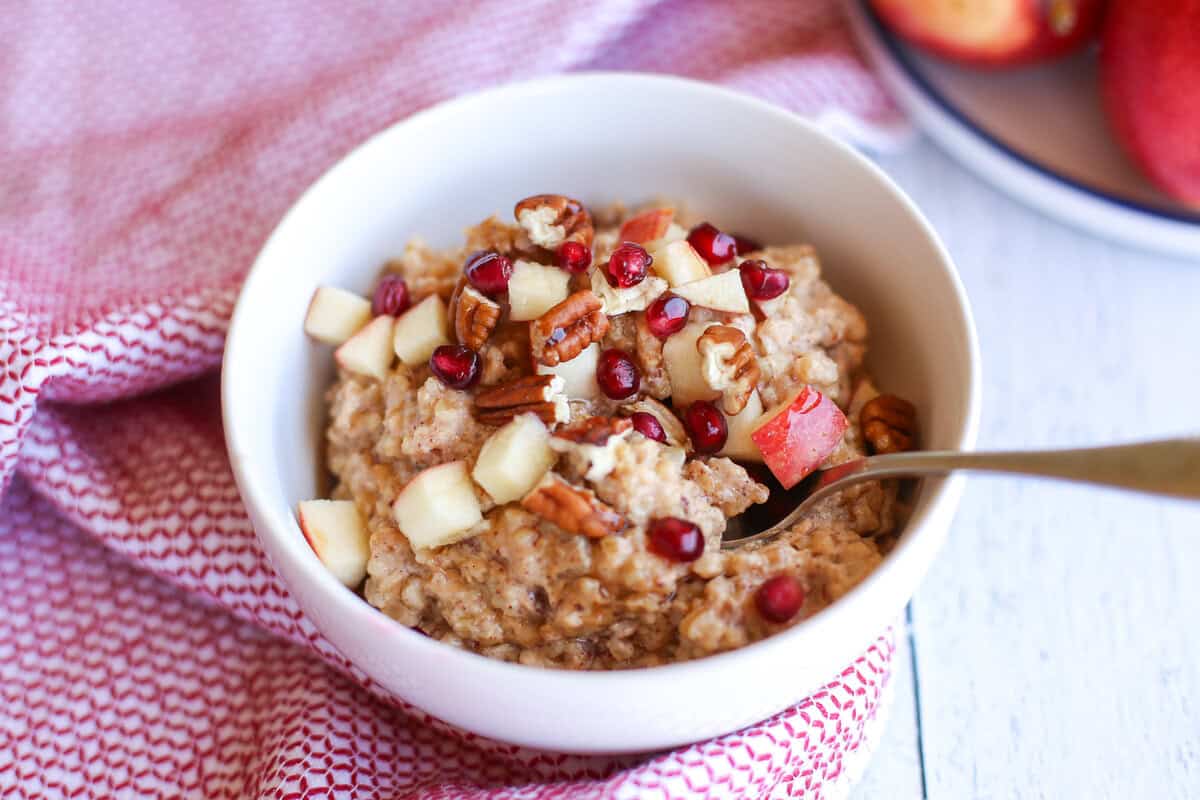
(280, 525)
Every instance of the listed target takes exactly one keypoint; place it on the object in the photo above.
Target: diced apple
(675, 233)
(684, 367)
(334, 315)
(438, 506)
(647, 226)
(514, 459)
(578, 374)
(723, 292)
(534, 289)
(336, 532)
(796, 436)
(679, 263)
(739, 445)
(369, 352)
(421, 330)
(621, 301)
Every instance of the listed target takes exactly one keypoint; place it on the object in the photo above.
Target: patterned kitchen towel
(147, 649)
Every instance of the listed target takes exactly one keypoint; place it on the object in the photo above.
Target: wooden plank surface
(1057, 636)
(895, 769)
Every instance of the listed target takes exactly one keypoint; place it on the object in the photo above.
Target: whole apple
(994, 33)
(1150, 77)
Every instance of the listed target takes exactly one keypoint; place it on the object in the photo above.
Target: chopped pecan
(728, 365)
(594, 430)
(475, 316)
(889, 424)
(551, 219)
(572, 508)
(622, 301)
(655, 380)
(672, 426)
(534, 394)
(566, 329)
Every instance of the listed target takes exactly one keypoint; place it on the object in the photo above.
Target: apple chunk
(646, 226)
(338, 536)
(514, 459)
(684, 366)
(796, 436)
(369, 352)
(723, 292)
(534, 289)
(738, 443)
(999, 33)
(420, 331)
(679, 263)
(438, 506)
(334, 315)
(578, 374)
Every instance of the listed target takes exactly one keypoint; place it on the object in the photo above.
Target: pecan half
(572, 508)
(475, 316)
(889, 424)
(551, 219)
(728, 365)
(534, 394)
(594, 430)
(566, 329)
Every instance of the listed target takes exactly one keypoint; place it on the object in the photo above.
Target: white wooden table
(1054, 649)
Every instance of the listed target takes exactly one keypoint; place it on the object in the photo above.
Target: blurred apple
(1150, 76)
(994, 33)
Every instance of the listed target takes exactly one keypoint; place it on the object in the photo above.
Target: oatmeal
(539, 439)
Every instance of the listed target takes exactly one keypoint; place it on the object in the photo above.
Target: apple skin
(1150, 79)
(796, 436)
(647, 226)
(994, 33)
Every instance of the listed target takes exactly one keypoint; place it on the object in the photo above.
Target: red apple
(647, 226)
(994, 33)
(1150, 76)
(796, 436)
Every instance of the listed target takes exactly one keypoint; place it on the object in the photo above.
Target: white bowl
(748, 166)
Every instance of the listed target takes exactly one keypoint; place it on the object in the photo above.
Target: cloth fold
(147, 648)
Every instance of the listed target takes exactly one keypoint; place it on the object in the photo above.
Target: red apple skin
(1150, 78)
(647, 226)
(994, 33)
(798, 435)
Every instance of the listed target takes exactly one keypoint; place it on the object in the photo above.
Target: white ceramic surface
(1038, 133)
(748, 165)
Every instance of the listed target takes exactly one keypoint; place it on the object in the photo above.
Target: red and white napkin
(146, 646)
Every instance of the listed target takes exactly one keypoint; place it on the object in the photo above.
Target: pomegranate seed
(627, 266)
(648, 425)
(456, 366)
(706, 426)
(668, 314)
(488, 271)
(391, 297)
(617, 375)
(712, 245)
(761, 282)
(574, 257)
(745, 244)
(675, 539)
(779, 599)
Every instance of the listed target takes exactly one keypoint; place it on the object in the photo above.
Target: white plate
(1038, 133)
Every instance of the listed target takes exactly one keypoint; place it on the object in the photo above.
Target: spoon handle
(1167, 467)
